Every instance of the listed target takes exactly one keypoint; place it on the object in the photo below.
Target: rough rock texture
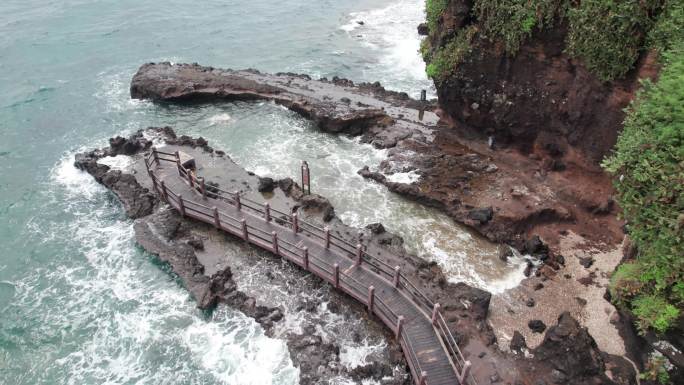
(328, 103)
(539, 99)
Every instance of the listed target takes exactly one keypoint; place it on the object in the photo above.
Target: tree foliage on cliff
(648, 163)
(607, 35)
(512, 21)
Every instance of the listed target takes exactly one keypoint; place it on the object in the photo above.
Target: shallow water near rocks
(79, 302)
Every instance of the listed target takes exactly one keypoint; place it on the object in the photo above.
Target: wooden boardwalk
(417, 323)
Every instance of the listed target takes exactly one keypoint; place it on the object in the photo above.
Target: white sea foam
(404, 177)
(219, 119)
(392, 30)
(118, 162)
(134, 323)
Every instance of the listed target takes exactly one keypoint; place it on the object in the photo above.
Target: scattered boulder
(423, 29)
(518, 343)
(482, 215)
(537, 326)
(570, 350)
(266, 184)
(376, 228)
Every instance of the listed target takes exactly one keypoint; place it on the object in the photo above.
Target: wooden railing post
(178, 163)
(397, 274)
(371, 298)
(359, 255)
(245, 234)
(327, 237)
(336, 275)
(204, 189)
(275, 242)
(155, 155)
(267, 212)
(464, 373)
(295, 223)
(238, 204)
(217, 220)
(181, 205)
(164, 194)
(400, 327)
(423, 378)
(305, 257)
(190, 180)
(154, 182)
(435, 313)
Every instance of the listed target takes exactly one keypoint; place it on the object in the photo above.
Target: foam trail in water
(393, 31)
(122, 319)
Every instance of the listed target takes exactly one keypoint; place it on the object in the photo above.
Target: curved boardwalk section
(429, 347)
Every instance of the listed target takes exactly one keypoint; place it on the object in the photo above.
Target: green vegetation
(434, 9)
(512, 21)
(656, 370)
(669, 28)
(609, 34)
(445, 60)
(648, 163)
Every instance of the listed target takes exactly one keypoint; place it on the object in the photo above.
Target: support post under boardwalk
(359, 255)
(275, 243)
(305, 257)
(371, 298)
(400, 327)
(295, 223)
(190, 180)
(327, 237)
(217, 220)
(204, 189)
(435, 313)
(464, 373)
(178, 163)
(397, 274)
(181, 205)
(336, 275)
(164, 195)
(267, 212)
(245, 234)
(154, 182)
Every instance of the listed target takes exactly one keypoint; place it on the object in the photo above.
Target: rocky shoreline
(190, 249)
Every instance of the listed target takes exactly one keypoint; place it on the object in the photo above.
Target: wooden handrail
(311, 261)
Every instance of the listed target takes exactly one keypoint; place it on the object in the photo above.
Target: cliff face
(538, 99)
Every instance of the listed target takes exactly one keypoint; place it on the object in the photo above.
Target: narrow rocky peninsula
(196, 253)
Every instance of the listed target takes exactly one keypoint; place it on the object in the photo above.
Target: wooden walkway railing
(366, 268)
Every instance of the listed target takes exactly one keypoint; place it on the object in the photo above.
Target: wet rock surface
(502, 193)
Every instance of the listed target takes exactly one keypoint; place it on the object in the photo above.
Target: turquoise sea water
(79, 302)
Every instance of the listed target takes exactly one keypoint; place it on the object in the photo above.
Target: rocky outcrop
(337, 106)
(539, 99)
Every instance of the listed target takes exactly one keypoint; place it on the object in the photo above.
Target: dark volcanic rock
(569, 349)
(518, 343)
(482, 215)
(537, 326)
(423, 29)
(266, 184)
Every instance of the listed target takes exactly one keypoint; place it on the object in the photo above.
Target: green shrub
(648, 162)
(512, 21)
(654, 312)
(608, 34)
(434, 9)
(446, 59)
(668, 28)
